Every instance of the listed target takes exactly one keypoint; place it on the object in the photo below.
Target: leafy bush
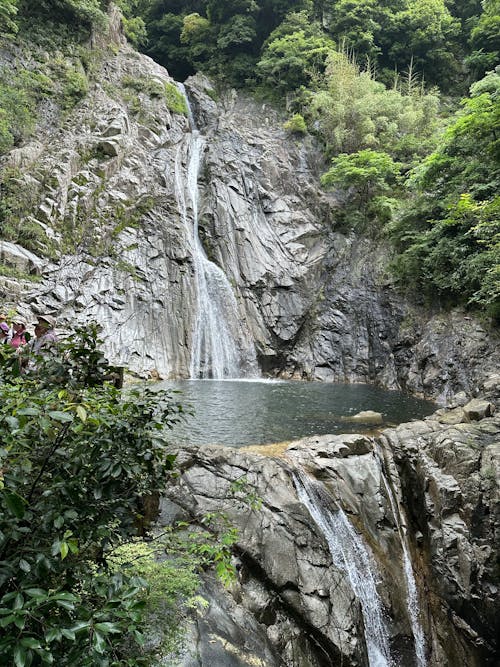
(8, 11)
(368, 177)
(448, 238)
(80, 462)
(296, 124)
(75, 462)
(174, 99)
(352, 111)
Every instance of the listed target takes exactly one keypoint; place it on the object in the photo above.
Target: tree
(294, 54)
(485, 39)
(367, 176)
(76, 459)
(425, 33)
(353, 111)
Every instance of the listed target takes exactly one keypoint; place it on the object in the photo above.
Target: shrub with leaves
(367, 176)
(74, 463)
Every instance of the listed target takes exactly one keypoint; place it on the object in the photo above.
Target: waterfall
(411, 586)
(350, 554)
(220, 348)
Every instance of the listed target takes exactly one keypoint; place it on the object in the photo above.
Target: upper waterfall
(220, 346)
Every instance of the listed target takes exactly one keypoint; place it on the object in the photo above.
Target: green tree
(485, 39)
(294, 54)
(75, 463)
(353, 111)
(361, 24)
(367, 177)
(425, 33)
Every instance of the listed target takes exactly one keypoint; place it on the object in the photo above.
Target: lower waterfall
(411, 587)
(350, 554)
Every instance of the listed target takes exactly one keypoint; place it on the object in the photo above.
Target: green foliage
(222, 39)
(296, 124)
(18, 98)
(352, 111)
(8, 11)
(294, 54)
(76, 457)
(174, 99)
(88, 12)
(134, 25)
(16, 203)
(424, 32)
(155, 88)
(448, 238)
(368, 176)
(485, 39)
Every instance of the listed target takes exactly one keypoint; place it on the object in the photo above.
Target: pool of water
(248, 412)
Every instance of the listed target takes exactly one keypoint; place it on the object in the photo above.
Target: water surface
(237, 413)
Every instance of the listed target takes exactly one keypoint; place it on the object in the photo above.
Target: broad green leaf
(65, 595)
(37, 593)
(20, 656)
(81, 412)
(107, 628)
(18, 601)
(53, 634)
(82, 625)
(29, 412)
(59, 416)
(99, 642)
(15, 504)
(7, 620)
(24, 565)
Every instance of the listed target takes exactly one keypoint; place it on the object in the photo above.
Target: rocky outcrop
(314, 299)
(429, 482)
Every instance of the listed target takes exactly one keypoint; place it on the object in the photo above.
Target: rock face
(313, 299)
(427, 482)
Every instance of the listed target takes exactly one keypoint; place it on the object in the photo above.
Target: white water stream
(219, 347)
(350, 554)
(411, 587)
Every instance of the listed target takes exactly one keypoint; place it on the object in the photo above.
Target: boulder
(478, 409)
(366, 417)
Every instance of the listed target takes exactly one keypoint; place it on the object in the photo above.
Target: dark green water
(241, 412)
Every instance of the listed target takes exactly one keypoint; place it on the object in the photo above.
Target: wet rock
(312, 297)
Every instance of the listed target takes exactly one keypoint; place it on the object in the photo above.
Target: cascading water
(351, 555)
(411, 587)
(220, 349)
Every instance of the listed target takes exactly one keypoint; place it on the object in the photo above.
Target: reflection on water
(245, 412)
